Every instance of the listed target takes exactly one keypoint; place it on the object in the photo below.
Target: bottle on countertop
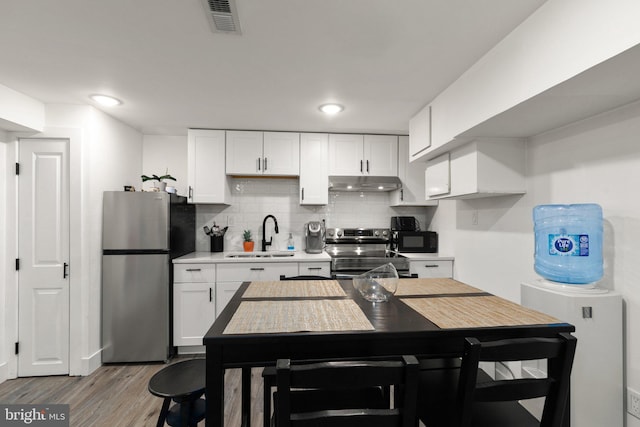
(290, 246)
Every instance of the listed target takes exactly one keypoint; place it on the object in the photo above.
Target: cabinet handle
(194, 269)
(210, 294)
(432, 266)
(258, 163)
(303, 193)
(314, 268)
(64, 270)
(190, 192)
(360, 166)
(265, 164)
(257, 269)
(367, 166)
(402, 194)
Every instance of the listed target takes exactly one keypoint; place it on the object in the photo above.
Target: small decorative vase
(162, 186)
(248, 246)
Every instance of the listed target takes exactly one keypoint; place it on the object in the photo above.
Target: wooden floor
(117, 395)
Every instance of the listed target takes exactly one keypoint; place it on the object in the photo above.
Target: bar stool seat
(184, 383)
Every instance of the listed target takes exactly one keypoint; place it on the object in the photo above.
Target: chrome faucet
(264, 239)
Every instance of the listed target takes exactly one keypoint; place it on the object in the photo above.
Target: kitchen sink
(259, 254)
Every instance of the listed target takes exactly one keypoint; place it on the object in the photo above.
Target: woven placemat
(425, 286)
(294, 289)
(476, 312)
(263, 317)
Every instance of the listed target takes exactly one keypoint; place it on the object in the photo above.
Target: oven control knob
(339, 233)
(330, 232)
(385, 233)
(376, 233)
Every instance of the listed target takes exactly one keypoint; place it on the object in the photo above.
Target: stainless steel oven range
(354, 251)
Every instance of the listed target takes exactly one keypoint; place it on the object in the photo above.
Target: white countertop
(426, 257)
(298, 256)
(219, 257)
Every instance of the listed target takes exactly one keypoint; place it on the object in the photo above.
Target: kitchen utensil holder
(217, 243)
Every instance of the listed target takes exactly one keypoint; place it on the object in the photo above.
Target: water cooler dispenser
(568, 255)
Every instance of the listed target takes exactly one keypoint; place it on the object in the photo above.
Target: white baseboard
(191, 349)
(90, 363)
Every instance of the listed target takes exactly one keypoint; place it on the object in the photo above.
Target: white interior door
(43, 250)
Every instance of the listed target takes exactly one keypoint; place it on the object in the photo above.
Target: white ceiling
(382, 59)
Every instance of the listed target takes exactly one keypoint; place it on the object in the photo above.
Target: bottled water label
(569, 244)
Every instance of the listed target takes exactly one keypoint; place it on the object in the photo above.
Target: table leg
(214, 387)
(163, 412)
(246, 397)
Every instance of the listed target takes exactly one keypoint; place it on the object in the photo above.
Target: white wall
(3, 256)
(162, 154)
(114, 160)
(597, 160)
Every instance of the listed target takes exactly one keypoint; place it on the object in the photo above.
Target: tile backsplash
(253, 199)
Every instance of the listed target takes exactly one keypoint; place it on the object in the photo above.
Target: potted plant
(161, 186)
(248, 241)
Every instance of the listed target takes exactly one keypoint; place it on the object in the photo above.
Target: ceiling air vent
(223, 16)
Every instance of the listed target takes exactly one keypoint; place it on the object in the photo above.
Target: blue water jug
(568, 242)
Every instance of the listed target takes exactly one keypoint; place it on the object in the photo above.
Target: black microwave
(414, 241)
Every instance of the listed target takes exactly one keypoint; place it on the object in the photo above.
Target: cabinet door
(346, 155)
(193, 312)
(281, 153)
(432, 269)
(437, 176)
(224, 293)
(206, 168)
(381, 155)
(420, 133)
(314, 169)
(412, 192)
(244, 153)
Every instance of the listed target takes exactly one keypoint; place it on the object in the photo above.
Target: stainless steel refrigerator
(141, 233)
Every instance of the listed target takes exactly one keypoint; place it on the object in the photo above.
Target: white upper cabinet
(353, 155)
(314, 168)
(281, 153)
(412, 192)
(206, 167)
(263, 153)
(419, 133)
(481, 168)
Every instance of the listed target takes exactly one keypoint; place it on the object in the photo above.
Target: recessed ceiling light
(107, 101)
(331, 108)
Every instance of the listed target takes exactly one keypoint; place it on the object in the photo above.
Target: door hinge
(17, 168)
(17, 347)
(17, 264)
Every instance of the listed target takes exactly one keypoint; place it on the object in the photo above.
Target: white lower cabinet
(224, 293)
(432, 269)
(194, 296)
(202, 290)
(315, 269)
(193, 312)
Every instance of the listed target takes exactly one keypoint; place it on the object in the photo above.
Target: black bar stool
(184, 382)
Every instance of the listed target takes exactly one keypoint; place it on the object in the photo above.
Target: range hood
(364, 183)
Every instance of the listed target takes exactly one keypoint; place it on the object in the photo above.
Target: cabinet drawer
(432, 268)
(194, 273)
(246, 272)
(315, 269)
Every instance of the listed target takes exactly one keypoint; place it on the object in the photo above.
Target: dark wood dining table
(429, 318)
